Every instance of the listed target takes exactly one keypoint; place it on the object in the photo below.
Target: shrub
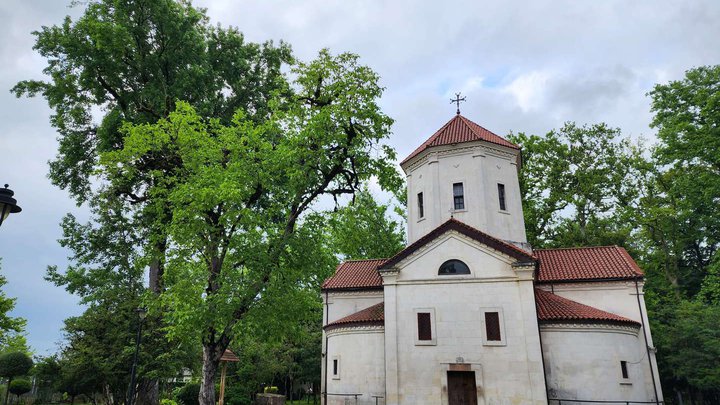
(167, 401)
(188, 394)
(20, 386)
(271, 390)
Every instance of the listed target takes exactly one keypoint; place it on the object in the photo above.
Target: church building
(468, 313)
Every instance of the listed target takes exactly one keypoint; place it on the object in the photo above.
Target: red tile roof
(458, 130)
(553, 308)
(586, 263)
(467, 230)
(375, 315)
(355, 274)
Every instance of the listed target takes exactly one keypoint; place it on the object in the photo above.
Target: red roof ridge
(629, 260)
(454, 224)
(372, 315)
(472, 132)
(362, 260)
(552, 307)
(577, 247)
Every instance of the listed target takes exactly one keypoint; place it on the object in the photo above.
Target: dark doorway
(461, 388)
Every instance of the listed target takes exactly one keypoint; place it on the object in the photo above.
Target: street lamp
(8, 205)
(142, 312)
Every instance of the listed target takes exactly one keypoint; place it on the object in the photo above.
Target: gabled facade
(467, 313)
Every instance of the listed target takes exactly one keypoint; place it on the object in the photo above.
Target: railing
(355, 397)
(561, 401)
(346, 395)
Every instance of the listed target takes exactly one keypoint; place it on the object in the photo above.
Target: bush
(188, 394)
(14, 364)
(271, 390)
(167, 401)
(20, 386)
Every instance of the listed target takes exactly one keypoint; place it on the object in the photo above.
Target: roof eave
(590, 280)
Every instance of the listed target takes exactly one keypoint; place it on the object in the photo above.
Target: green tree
(237, 193)
(576, 185)
(364, 229)
(19, 387)
(11, 328)
(680, 221)
(132, 61)
(47, 375)
(12, 365)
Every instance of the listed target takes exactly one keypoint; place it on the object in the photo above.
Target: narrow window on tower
(421, 206)
(624, 369)
(501, 196)
(458, 196)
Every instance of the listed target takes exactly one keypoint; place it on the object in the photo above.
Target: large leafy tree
(131, 61)
(237, 193)
(576, 184)
(680, 218)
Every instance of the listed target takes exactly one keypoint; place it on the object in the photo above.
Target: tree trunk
(209, 370)
(7, 391)
(148, 392)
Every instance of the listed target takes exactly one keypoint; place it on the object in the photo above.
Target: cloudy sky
(524, 67)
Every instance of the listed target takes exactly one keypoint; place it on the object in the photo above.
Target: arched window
(452, 267)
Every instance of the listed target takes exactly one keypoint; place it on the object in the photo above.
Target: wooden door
(461, 388)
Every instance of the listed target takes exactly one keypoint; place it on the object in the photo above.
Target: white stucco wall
(360, 352)
(621, 298)
(341, 304)
(480, 166)
(510, 373)
(583, 362)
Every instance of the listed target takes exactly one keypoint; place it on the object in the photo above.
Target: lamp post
(8, 205)
(142, 312)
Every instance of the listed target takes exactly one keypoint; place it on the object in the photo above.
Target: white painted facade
(532, 361)
(480, 167)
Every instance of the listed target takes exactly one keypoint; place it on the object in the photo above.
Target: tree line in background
(588, 186)
(208, 160)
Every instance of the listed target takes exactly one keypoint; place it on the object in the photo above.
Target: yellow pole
(222, 383)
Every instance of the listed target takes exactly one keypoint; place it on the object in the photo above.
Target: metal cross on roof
(457, 101)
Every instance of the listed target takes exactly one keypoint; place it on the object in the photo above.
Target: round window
(451, 267)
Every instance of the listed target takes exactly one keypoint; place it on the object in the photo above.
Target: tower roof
(458, 130)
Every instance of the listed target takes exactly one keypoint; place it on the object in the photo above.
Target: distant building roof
(585, 264)
(554, 308)
(458, 130)
(374, 315)
(355, 274)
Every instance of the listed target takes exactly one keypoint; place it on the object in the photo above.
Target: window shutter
(424, 326)
(492, 326)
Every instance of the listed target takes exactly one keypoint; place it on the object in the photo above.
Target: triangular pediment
(453, 225)
(485, 256)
